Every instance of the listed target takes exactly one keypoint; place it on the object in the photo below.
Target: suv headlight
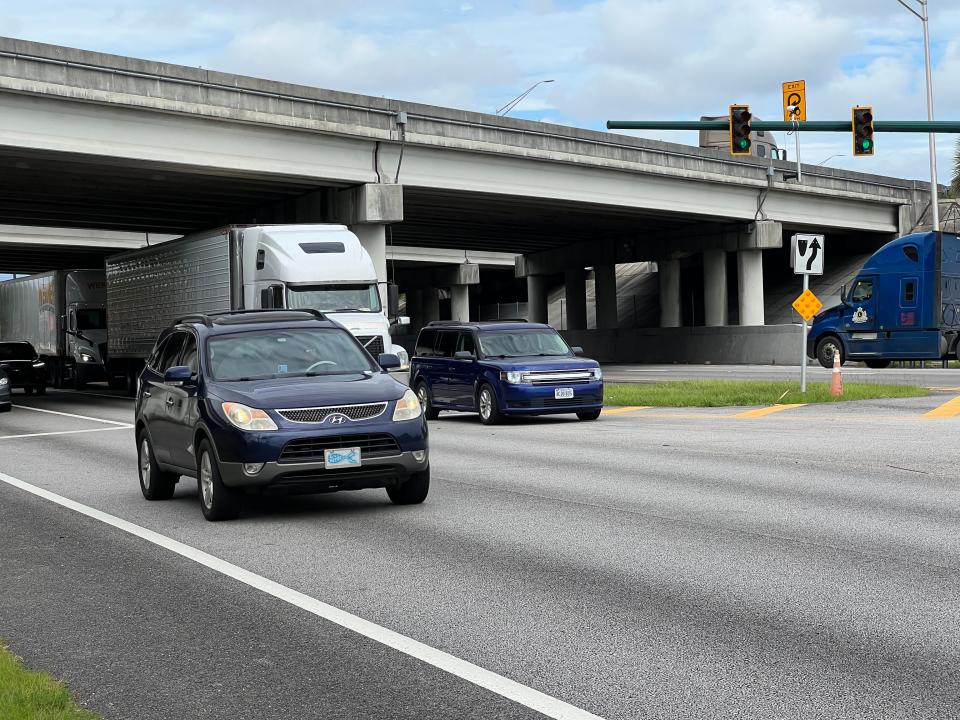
(597, 374)
(247, 418)
(408, 407)
(514, 377)
(4, 381)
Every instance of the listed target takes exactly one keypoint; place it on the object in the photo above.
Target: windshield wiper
(350, 310)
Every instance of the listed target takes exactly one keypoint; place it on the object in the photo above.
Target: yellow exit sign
(795, 94)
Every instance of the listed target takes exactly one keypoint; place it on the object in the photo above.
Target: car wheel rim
(422, 396)
(206, 480)
(145, 463)
(486, 404)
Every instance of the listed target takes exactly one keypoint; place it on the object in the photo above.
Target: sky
(609, 59)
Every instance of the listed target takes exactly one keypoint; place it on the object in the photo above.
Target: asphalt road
(653, 564)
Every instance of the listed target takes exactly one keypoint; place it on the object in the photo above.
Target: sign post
(806, 257)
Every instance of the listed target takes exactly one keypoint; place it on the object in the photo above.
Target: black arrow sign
(815, 246)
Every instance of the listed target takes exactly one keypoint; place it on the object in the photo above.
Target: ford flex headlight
(514, 377)
(247, 418)
(597, 374)
(408, 407)
(4, 382)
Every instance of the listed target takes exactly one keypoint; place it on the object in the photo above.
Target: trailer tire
(825, 348)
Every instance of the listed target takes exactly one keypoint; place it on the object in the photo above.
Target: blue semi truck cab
(903, 305)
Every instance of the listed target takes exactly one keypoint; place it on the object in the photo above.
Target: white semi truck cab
(323, 267)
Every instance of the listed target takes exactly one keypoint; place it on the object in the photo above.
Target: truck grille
(558, 377)
(304, 450)
(373, 343)
(319, 414)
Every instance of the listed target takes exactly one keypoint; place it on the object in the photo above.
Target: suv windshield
(335, 298)
(16, 351)
(298, 352)
(522, 343)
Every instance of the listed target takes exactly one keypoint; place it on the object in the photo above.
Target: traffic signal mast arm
(904, 126)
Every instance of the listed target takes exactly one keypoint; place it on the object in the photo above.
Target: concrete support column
(373, 238)
(537, 298)
(460, 303)
(431, 304)
(576, 291)
(750, 282)
(605, 278)
(715, 287)
(669, 271)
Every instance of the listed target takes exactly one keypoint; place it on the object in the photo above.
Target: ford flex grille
(320, 414)
(373, 343)
(305, 450)
(558, 377)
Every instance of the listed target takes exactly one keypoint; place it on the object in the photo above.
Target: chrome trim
(544, 377)
(332, 410)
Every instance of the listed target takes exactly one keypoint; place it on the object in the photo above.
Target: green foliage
(26, 695)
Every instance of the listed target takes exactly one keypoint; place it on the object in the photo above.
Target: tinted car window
(465, 343)
(425, 343)
(17, 351)
(446, 344)
(189, 355)
(521, 343)
(170, 352)
(862, 291)
(285, 352)
(154, 358)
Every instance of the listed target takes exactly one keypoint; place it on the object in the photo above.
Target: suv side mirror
(576, 350)
(463, 355)
(178, 375)
(388, 361)
(393, 300)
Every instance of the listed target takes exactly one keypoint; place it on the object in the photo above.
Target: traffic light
(863, 130)
(740, 130)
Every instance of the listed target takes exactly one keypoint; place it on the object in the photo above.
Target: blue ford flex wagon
(503, 368)
(281, 401)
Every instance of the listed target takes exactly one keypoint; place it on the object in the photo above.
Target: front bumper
(541, 399)
(312, 477)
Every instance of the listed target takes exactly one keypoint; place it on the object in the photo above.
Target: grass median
(26, 695)
(723, 393)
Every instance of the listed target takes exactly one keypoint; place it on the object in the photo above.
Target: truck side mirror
(843, 293)
(393, 300)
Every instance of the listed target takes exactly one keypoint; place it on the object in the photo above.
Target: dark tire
(589, 415)
(217, 501)
(155, 484)
(423, 394)
(78, 383)
(487, 406)
(413, 491)
(28, 390)
(41, 389)
(877, 364)
(130, 383)
(825, 349)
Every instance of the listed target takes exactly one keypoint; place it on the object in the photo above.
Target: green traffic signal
(862, 124)
(740, 130)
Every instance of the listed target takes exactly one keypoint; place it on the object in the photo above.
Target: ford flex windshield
(335, 298)
(523, 343)
(279, 353)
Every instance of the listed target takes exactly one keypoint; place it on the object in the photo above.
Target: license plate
(341, 458)
(563, 393)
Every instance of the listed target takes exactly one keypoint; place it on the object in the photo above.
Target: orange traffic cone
(836, 382)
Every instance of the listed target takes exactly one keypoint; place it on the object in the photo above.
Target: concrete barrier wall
(762, 345)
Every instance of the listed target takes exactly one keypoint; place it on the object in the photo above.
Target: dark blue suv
(281, 401)
(503, 368)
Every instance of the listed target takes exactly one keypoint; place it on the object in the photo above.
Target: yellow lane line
(624, 409)
(949, 409)
(760, 412)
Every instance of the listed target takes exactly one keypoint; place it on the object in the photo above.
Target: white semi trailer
(323, 267)
(61, 313)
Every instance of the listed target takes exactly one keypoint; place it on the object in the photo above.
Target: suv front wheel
(413, 491)
(217, 501)
(487, 405)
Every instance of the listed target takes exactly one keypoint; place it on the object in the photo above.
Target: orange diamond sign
(807, 305)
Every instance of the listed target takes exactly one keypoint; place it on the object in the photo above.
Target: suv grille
(304, 450)
(558, 377)
(373, 343)
(319, 414)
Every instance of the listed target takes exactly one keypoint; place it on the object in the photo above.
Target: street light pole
(925, 18)
(516, 101)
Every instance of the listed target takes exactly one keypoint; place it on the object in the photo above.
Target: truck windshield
(17, 351)
(91, 319)
(523, 343)
(285, 353)
(335, 298)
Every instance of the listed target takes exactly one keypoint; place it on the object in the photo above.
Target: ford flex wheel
(423, 395)
(155, 484)
(826, 348)
(487, 405)
(413, 491)
(217, 501)
(589, 414)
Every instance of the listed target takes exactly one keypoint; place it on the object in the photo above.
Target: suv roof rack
(441, 323)
(225, 316)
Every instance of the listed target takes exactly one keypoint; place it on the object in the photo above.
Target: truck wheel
(78, 383)
(413, 491)
(155, 484)
(487, 403)
(826, 348)
(423, 395)
(877, 364)
(217, 501)
(42, 389)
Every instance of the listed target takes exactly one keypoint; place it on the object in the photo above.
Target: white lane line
(510, 689)
(64, 432)
(71, 415)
